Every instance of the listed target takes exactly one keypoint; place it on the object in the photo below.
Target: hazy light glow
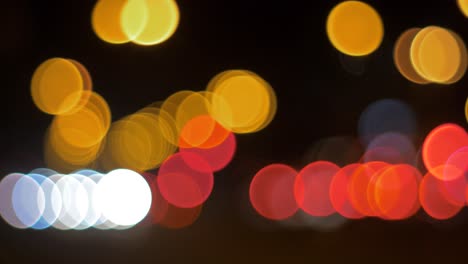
(387, 115)
(390, 147)
(164, 214)
(355, 28)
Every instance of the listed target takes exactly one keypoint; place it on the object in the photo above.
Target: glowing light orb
(436, 54)
(182, 185)
(439, 145)
(355, 28)
(56, 86)
(271, 192)
(243, 102)
(123, 196)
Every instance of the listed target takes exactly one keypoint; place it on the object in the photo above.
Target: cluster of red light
(390, 191)
(185, 180)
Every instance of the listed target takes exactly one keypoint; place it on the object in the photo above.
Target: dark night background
(284, 42)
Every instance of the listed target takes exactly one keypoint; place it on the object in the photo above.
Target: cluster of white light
(43, 198)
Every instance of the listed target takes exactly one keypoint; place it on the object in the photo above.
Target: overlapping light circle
(355, 28)
(119, 199)
(143, 22)
(431, 55)
(58, 86)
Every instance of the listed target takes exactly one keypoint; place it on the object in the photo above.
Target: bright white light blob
(124, 197)
(52, 202)
(74, 202)
(102, 222)
(6, 204)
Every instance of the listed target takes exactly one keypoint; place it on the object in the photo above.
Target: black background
(284, 42)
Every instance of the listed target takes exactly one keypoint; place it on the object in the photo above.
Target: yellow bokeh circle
(355, 28)
(87, 126)
(144, 22)
(439, 55)
(243, 101)
(57, 86)
(105, 20)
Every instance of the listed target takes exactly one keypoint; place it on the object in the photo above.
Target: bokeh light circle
(124, 197)
(271, 192)
(355, 28)
(312, 188)
(56, 86)
(181, 184)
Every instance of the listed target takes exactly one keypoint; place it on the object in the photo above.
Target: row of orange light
(371, 189)
(82, 135)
